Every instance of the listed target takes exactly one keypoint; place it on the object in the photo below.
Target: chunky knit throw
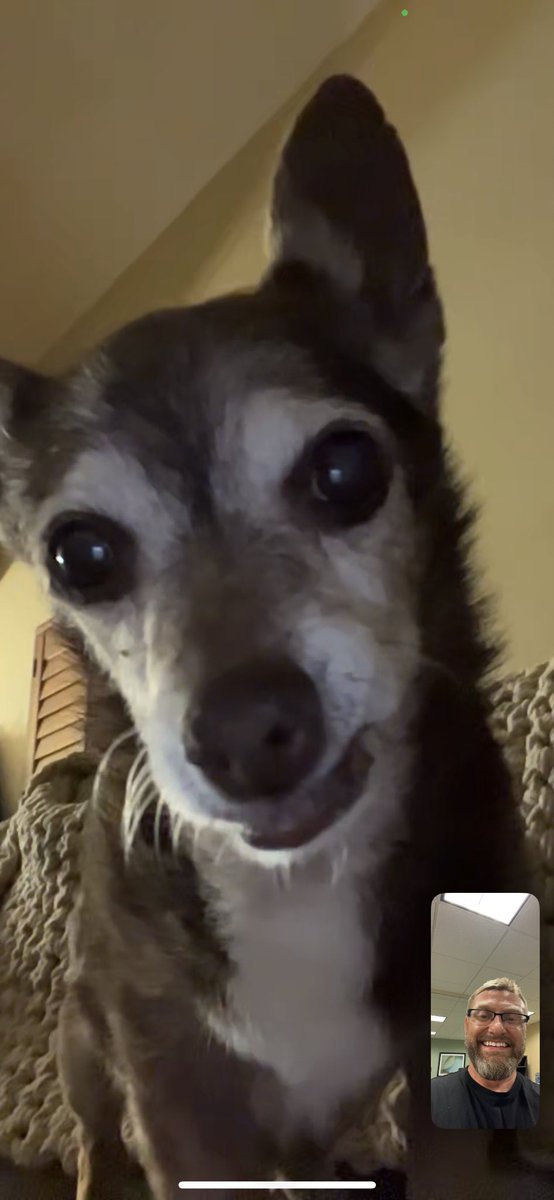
(39, 874)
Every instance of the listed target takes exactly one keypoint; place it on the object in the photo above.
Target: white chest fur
(295, 1003)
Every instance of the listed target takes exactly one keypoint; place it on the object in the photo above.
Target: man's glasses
(484, 1015)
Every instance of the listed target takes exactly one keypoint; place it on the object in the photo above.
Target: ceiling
(467, 949)
(113, 116)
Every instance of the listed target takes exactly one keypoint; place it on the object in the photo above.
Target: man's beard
(493, 1066)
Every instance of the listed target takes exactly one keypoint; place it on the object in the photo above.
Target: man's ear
(23, 395)
(345, 206)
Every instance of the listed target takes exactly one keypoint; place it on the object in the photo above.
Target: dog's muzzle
(257, 732)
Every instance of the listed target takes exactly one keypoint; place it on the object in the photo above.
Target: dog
(248, 510)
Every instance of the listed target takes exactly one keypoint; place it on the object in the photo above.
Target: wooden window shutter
(58, 701)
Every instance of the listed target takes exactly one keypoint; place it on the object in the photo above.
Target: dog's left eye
(349, 474)
(89, 558)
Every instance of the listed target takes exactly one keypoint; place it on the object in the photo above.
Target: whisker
(140, 793)
(103, 765)
(148, 797)
(140, 803)
(138, 765)
(220, 854)
(176, 822)
(283, 875)
(425, 660)
(139, 771)
(161, 807)
(338, 864)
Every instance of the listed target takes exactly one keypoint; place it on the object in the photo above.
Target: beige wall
(471, 88)
(533, 1049)
(22, 608)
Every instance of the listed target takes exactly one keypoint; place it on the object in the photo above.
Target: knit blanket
(39, 876)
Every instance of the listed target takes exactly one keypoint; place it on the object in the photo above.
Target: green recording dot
(404, 12)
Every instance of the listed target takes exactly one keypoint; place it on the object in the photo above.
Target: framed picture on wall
(450, 1062)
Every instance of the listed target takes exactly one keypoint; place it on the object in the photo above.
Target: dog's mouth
(287, 825)
(269, 824)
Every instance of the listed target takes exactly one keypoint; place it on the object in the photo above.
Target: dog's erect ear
(345, 205)
(23, 394)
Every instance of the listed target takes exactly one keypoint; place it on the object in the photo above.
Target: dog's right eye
(89, 558)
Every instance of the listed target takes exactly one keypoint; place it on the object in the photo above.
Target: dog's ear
(346, 207)
(23, 394)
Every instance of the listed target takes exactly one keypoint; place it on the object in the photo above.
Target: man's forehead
(499, 1000)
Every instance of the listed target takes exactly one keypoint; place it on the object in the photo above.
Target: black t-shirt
(458, 1102)
(499, 1110)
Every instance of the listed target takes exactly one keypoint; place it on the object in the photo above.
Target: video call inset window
(485, 1010)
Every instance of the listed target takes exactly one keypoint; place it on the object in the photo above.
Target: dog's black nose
(257, 729)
